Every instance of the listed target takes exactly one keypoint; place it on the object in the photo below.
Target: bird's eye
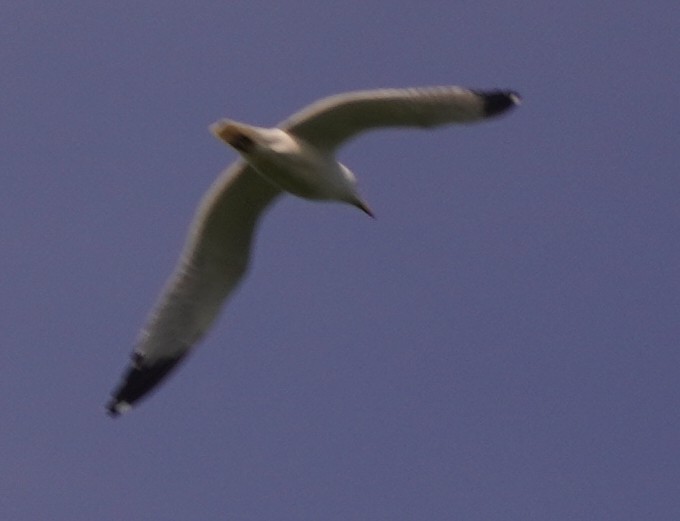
(242, 143)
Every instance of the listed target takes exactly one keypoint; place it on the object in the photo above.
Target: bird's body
(291, 163)
(297, 157)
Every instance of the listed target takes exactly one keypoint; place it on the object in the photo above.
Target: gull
(297, 157)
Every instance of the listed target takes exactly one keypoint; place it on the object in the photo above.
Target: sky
(500, 343)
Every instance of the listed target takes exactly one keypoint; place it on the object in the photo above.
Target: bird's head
(350, 192)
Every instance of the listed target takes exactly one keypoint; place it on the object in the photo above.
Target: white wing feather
(329, 122)
(213, 262)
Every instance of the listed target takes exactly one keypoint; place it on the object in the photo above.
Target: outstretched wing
(213, 262)
(330, 121)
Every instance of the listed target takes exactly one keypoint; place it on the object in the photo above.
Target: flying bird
(297, 157)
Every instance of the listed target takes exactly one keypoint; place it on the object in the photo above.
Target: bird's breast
(305, 174)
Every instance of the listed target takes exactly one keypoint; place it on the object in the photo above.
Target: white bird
(297, 157)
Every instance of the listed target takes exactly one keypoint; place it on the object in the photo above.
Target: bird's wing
(330, 121)
(213, 262)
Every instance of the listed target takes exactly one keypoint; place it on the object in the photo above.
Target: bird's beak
(364, 208)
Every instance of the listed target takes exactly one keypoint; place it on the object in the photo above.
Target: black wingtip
(139, 380)
(498, 101)
(115, 408)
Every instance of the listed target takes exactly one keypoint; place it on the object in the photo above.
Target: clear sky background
(501, 343)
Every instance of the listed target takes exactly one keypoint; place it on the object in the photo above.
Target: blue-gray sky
(501, 343)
